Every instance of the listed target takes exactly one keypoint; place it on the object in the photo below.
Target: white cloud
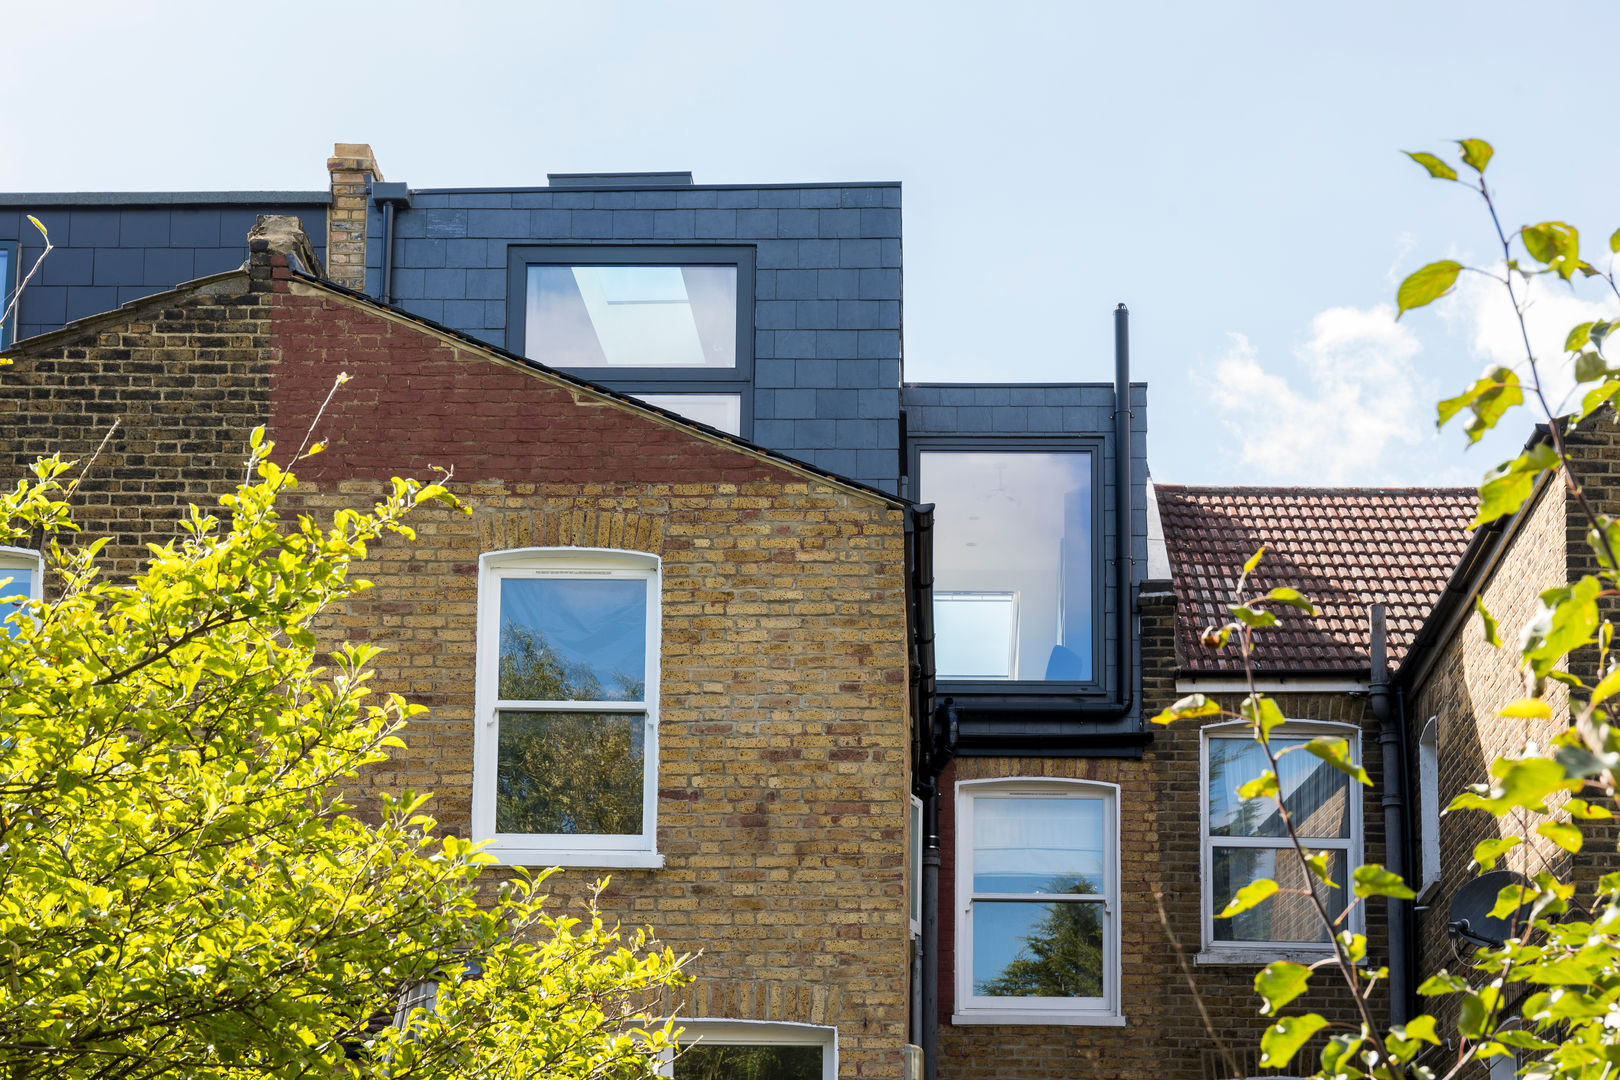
(1360, 408)
(1355, 407)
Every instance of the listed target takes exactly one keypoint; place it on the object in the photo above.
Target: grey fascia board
(664, 187)
(166, 198)
(976, 384)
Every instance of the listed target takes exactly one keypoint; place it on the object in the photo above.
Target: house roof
(1344, 548)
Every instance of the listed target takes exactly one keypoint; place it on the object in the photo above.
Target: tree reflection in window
(703, 1061)
(1061, 957)
(565, 772)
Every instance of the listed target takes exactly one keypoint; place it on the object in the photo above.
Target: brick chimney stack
(352, 168)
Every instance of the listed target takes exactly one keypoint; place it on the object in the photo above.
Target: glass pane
(573, 639)
(1316, 794)
(1037, 950)
(633, 316)
(1033, 845)
(1014, 525)
(975, 634)
(723, 412)
(708, 1061)
(20, 585)
(1281, 918)
(571, 773)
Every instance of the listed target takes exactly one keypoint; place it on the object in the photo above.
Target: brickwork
(1163, 1036)
(783, 778)
(1468, 682)
(351, 167)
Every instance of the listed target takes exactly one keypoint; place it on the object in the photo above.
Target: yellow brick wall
(783, 750)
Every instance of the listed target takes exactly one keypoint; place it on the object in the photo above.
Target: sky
(1231, 172)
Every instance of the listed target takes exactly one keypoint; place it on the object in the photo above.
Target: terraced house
(840, 677)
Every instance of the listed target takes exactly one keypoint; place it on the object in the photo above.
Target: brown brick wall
(783, 779)
(1159, 833)
(1467, 685)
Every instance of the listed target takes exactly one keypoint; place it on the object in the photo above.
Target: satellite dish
(1471, 918)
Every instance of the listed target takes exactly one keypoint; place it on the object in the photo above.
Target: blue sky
(1230, 171)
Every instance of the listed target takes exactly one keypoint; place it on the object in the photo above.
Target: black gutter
(1394, 804)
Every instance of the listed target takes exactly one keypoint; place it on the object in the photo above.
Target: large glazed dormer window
(671, 325)
(566, 745)
(1015, 596)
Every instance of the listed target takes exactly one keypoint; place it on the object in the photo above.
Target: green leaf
(1487, 399)
(1562, 833)
(1254, 618)
(1355, 945)
(1194, 705)
(1279, 983)
(1420, 1028)
(1293, 598)
(1486, 852)
(1318, 862)
(1614, 241)
(1437, 168)
(1510, 898)
(1578, 336)
(1264, 714)
(1506, 487)
(1589, 367)
(1374, 880)
(1262, 786)
(1472, 1016)
(1336, 752)
(1338, 1058)
(1585, 811)
(1492, 638)
(1255, 892)
(1476, 153)
(1566, 619)
(1254, 560)
(1555, 245)
(1527, 709)
(1595, 398)
(36, 223)
(1283, 1039)
(1426, 285)
(1523, 1040)
(1440, 983)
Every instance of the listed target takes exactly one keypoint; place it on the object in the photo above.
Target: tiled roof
(1345, 548)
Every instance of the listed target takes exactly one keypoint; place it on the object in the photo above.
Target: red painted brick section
(417, 399)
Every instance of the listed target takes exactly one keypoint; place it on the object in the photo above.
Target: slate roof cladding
(1345, 548)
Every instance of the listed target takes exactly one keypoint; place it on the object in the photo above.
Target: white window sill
(546, 857)
(1263, 954)
(987, 1016)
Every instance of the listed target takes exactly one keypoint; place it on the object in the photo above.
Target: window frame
(1244, 952)
(556, 849)
(729, 1032)
(737, 380)
(1428, 757)
(916, 818)
(8, 289)
(1096, 446)
(970, 1008)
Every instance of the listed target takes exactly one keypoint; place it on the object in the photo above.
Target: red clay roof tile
(1345, 548)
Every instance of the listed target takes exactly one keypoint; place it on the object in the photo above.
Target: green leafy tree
(1558, 978)
(185, 891)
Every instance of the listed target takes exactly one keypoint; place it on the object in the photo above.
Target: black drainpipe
(388, 196)
(1124, 505)
(1389, 739)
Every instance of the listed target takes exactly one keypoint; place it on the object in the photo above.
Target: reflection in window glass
(1285, 916)
(723, 412)
(632, 316)
(1036, 845)
(569, 773)
(1317, 795)
(22, 586)
(6, 335)
(709, 1061)
(1014, 525)
(1037, 950)
(568, 639)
